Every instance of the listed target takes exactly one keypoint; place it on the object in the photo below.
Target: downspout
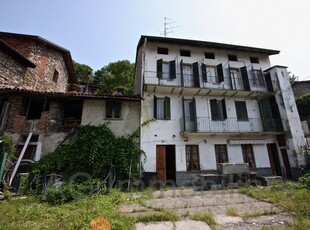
(142, 94)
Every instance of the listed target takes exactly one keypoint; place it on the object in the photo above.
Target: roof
(70, 94)
(65, 53)
(204, 44)
(9, 50)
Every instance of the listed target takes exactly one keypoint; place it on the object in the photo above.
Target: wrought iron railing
(211, 82)
(229, 125)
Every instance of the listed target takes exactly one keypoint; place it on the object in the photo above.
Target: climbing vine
(7, 145)
(94, 149)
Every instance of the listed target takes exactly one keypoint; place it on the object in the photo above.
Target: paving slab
(178, 225)
(187, 202)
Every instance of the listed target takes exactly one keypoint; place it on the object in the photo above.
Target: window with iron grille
(113, 109)
(192, 158)
(248, 155)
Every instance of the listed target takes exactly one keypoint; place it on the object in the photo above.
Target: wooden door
(274, 159)
(161, 162)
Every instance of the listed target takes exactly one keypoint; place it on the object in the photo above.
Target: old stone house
(37, 102)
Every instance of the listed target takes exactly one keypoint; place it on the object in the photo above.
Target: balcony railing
(212, 82)
(229, 125)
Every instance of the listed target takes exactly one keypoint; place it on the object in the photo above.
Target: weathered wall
(11, 71)
(46, 59)
(301, 88)
(94, 113)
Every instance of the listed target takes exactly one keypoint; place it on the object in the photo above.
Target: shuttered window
(218, 110)
(241, 110)
(192, 158)
(162, 108)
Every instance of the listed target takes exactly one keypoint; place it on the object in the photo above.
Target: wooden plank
(161, 162)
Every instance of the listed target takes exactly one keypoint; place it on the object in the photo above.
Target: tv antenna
(167, 28)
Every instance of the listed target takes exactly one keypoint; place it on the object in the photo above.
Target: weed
(232, 212)
(207, 217)
(162, 215)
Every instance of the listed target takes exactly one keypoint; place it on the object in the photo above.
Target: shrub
(92, 152)
(304, 181)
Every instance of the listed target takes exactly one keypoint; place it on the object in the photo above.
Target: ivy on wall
(94, 148)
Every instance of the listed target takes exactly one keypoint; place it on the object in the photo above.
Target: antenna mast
(167, 29)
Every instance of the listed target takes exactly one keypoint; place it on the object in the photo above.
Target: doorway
(274, 159)
(165, 162)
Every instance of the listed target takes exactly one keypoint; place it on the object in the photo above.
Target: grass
(162, 215)
(290, 197)
(232, 212)
(207, 217)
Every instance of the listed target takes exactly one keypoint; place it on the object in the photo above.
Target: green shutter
(220, 73)
(204, 72)
(167, 108)
(224, 109)
(160, 68)
(183, 107)
(214, 110)
(155, 107)
(181, 70)
(195, 114)
(196, 75)
(172, 74)
(245, 78)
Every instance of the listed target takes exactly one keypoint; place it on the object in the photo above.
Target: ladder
(20, 158)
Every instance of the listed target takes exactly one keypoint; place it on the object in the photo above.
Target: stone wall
(301, 88)
(46, 59)
(11, 71)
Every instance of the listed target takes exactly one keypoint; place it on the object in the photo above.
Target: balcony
(229, 125)
(186, 84)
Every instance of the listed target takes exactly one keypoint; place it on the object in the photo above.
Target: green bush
(304, 181)
(92, 152)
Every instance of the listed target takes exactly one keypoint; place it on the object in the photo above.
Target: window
(192, 158)
(248, 155)
(162, 108)
(232, 57)
(218, 110)
(254, 60)
(166, 70)
(161, 50)
(236, 79)
(209, 55)
(221, 154)
(55, 76)
(209, 74)
(242, 114)
(258, 78)
(212, 74)
(113, 109)
(185, 53)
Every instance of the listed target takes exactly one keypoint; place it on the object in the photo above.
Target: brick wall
(46, 59)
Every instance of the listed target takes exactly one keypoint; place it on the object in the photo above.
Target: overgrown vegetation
(85, 162)
(303, 106)
(30, 214)
(294, 197)
(7, 145)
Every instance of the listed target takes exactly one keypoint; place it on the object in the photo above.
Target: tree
(84, 72)
(116, 75)
(303, 106)
(292, 78)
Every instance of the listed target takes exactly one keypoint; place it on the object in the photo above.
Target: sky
(98, 32)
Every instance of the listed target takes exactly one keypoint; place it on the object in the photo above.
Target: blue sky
(99, 31)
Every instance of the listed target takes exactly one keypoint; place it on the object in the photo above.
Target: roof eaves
(206, 44)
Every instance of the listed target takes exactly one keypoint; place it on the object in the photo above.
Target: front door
(274, 159)
(165, 162)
